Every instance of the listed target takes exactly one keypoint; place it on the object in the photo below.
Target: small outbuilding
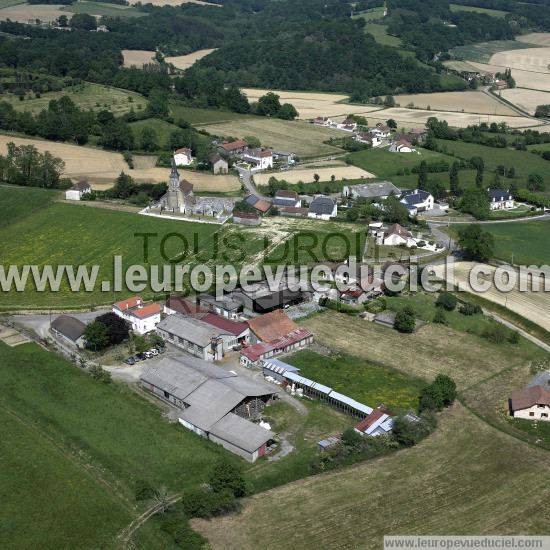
(78, 190)
(69, 330)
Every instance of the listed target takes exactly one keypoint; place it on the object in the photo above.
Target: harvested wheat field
(538, 38)
(185, 61)
(302, 138)
(467, 478)
(524, 79)
(527, 100)
(102, 167)
(415, 117)
(324, 173)
(22, 13)
(313, 104)
(529, 59)
(469, 102)
(137, 58)
(531, 305)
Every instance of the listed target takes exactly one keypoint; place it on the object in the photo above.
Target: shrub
(447, 301)
(408, 433)
(540, 366)
(202, 503)
(227, 476)
(405, 320)
(437, 395)
(499, 334)
(470, 309)
(117, 328)
(97, 372)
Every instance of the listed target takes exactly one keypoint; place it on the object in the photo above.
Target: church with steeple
(179, 193)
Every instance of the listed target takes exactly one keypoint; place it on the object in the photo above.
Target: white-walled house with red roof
(183, 156)
(143, 318)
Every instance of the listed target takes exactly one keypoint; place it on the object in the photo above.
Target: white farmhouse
(143, 318)
(183, 156)
(499, 199)
(531, 403)
(322, 208)
(368, 138)
(417, 200)
(78, 190)
(261, 158)
(395, 235)
(401, 146)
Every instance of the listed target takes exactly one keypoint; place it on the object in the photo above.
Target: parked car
(140, 357)
(130, 360)
(161, 350)
(147, 354)
(154, 351)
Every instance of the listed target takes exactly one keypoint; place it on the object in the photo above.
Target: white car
(154, 351)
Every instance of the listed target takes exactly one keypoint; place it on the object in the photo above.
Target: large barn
(215, 403)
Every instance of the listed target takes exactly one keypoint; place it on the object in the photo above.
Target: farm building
(284, 157)
(376, 423)
(322, 208)
(261, 205)
(381, 130)
(386, 318)
(78, 190)
(265, 298)
(270, 326)
(286, 197)
(531, 403)
(239, 329)
(500, 199)
(276, 368)
(372, 191)
(143, 318)
(68, 329)
(214, 403)
(178, 304)
(293, 212)
(196, 337)
(219, 164)
(183, 156)
(246, 218)
(226, 306)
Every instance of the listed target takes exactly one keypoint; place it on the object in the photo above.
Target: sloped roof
(233, 145)
(146, 311)
(69, 327)
(186, 187)
(241, 433)
(498, 195)
(374, 190)
(129, 303)
(287, 194)
(322, 205)
(527, 397)
(397, 229)
(81, 185)
(191, 329)
(234, 327)
(183, 150)
(374, 416)
(273, 325)
(182, 305)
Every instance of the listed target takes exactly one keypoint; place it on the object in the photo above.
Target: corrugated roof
(322, 205)
(278, 366)
(271, 326)
(234, 327)
(340, 397)
(191, 329)
(240, 432)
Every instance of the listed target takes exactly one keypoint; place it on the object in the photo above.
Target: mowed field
(185, 61)
(22, 13)
(303, 138)
(537, 38)
(534, 306)
(525, 99)
(524, 79)
(103, 9)
(103, 167)
(470, 102)
(137, 58)
(482, 52)
(307, 175)
(86, 96)
(313, 104)
(530, 59)
(467, 478)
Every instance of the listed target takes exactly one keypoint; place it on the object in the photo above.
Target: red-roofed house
(233, 147)
(183, 156)
(142, 317)
(353, 297)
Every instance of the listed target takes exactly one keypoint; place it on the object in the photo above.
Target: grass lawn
(87, 96)
(162, 128)
(523, 162)
(483, 51)
(466, 178)
(106, 9)
(433, 349)
(366, 382)
(525, 240)
(380, 34)
(385, 164)
(49, 499)
(17, 203)
(467, 478)
(486, 11)
(371, 14)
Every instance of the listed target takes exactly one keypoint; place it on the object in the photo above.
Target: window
(531, 414)
(166, 395)
(544, 415)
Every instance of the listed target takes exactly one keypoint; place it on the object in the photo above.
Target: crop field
(536, 38)
(103, 9)
(306, 175)
(524, 79)
(137, 58)
(19, 202)
(384, 164)
(380, 34)
(22, 13)
(433, 349)
(467, 478)
(524, 162)
(534, 306)
(303, 138)
(469, 102)
(486, 11)
(86, 96)
(313, 104)
(531, 59)
(185, 61)
(366, 382)
(527, 100)
(483, 51)
(101, 168)
(417, 117)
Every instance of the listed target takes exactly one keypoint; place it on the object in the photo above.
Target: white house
(368, 138)
(262, 158)
(76, 192)
(143, 318)
(183, 156)
(395, 235)
(322, 121)
(500, 199)
(531, 403)
(349, 125)
(322, 208)
(381, 130)
(417, 200)
(401, 146)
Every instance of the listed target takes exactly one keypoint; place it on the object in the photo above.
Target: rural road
(248, 183)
